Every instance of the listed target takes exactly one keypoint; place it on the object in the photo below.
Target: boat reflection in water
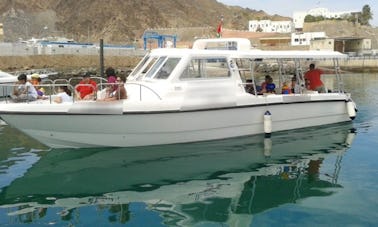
(224, 181)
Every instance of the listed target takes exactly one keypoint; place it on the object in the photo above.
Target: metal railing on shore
(22, 49)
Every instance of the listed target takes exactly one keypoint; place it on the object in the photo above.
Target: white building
(298, 17)
(270, 26)
(305, 38)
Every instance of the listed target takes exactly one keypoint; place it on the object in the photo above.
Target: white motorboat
(186, 95)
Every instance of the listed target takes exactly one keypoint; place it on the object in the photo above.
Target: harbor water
(319, 176)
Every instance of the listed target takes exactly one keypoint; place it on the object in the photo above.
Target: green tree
(366, 15)
(309, 18)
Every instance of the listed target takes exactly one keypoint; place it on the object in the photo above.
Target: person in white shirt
(64, 95)
(25, 91)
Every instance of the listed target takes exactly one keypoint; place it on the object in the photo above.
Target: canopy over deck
(256, 54)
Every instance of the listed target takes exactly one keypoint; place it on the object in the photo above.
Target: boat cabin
(232, 66)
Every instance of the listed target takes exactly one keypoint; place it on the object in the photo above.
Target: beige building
(323, 44)
(349, 45)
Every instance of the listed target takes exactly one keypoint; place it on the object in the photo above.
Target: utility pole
(102, 57)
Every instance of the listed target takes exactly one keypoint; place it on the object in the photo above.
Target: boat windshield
(140, 65)
(158, 67)
(155, 66)
(144, 67)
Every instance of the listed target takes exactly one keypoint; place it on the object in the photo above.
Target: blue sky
(287, 7)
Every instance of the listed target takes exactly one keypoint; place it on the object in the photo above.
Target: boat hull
(153, 128)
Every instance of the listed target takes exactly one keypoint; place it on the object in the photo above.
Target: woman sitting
(64, 95)
(119, 93)
(36, 81)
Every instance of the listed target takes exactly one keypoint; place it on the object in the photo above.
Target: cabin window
(140, 66)
(208, 68)
(142, 69)
(154, 67)
(167, 68)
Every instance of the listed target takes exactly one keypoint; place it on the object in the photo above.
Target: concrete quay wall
(355, 64)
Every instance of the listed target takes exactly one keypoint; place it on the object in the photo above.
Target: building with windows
(305, 38)
(299, 16)
(352, 46)
(270, 26)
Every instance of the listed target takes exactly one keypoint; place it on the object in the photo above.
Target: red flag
(219, 29)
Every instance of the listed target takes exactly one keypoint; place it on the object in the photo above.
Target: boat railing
(103, 90)
(50, 91)
(54, 91)
(6, 90)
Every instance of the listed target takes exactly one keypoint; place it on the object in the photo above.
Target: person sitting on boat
(268, 86)
(313, 76)
(25, 91)
(64, 95)
(263, 84)
(112, 79)
(307, 84)
(86, 89)
(262, 88)
(294, 85)
(249, 86)
(36, 81)
(120, 93)
(286, 89)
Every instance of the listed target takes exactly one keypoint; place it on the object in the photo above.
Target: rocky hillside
(116, 21)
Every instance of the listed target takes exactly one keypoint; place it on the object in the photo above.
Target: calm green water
(319, 176)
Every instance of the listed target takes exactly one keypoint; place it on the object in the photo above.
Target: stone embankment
(66, 63)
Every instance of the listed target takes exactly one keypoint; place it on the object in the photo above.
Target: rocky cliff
(116, 21)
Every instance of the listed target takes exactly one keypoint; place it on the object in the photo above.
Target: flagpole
(219, 28)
